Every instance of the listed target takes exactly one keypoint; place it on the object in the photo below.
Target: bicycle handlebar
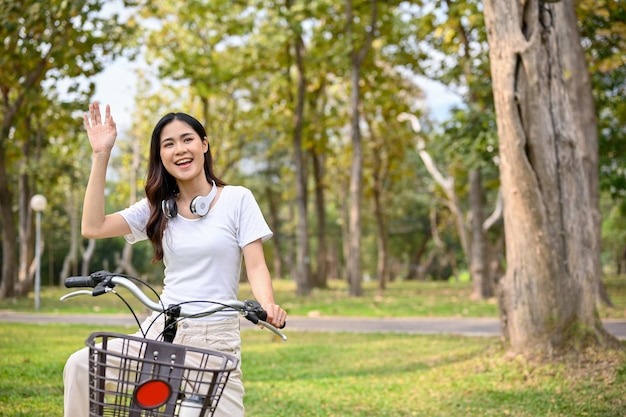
(103, 282)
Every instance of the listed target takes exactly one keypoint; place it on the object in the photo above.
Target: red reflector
(153, 393)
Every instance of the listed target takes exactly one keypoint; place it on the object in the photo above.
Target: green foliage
(47, 50)
(232, 64)
(604, 38)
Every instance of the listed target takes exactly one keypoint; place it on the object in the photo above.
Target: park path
(416, 325)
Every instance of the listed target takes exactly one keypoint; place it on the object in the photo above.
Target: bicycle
(140, 377)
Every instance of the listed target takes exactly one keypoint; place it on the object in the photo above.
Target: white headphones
(199, 205)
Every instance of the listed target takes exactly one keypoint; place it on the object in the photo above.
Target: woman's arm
(261, 282)
(102, 134)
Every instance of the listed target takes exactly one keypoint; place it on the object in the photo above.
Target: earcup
(200, 205)
(169, 208)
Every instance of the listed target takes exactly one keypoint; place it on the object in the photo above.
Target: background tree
(360, 38)
(603, 34)
(42, 44)
(238, 66)
(547, 297)
(449, 40)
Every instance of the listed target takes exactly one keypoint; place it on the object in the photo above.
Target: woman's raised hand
(101, 132)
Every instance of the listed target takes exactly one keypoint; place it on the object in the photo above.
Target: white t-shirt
(202, 256)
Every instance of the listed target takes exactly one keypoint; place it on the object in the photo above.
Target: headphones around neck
(199, 205)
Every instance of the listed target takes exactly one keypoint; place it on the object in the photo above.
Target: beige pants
(222, 336)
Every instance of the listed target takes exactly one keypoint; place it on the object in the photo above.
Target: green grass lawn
(345, 375)
(342, 374)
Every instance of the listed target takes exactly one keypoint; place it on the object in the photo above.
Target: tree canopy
(274, 83)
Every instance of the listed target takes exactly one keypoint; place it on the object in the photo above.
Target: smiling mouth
(185, 161)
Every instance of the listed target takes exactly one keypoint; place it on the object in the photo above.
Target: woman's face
(182, 151)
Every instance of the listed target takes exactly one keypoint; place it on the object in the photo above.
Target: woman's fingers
(95, 117)
(278, 315)
(94, 110)
(107, 117)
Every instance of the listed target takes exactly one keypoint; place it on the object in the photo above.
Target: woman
(199, 227)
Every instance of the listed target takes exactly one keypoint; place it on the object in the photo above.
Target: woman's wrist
(101, 154)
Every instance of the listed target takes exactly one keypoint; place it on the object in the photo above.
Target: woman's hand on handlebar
(276, 316)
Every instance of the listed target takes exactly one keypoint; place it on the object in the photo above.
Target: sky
(116, 86)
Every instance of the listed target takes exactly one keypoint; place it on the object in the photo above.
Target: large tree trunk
(547, 296)
(584, 114)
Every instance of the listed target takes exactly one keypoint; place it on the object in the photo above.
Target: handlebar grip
(80, 282)
(256, 313)
(262, 314)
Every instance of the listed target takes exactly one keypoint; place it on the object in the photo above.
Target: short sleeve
(252, 224)
(137, 217)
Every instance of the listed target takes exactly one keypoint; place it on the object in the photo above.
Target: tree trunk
(291, 247)
(321, 280)
(275, 224)
(353, 262)
(345, 234)
(482, 288)
(357, 57)
(125, 263)
(303, 260)
(9, 258)
(86, 257)
(416, 266)
(70, 262)
(382, 269)
(584, 114)
(26, 237)
(446, 183)
(547, 296)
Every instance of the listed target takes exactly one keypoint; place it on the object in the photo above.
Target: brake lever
(272, 329)
(75, 294)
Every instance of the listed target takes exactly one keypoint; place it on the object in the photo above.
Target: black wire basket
(135, 377)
